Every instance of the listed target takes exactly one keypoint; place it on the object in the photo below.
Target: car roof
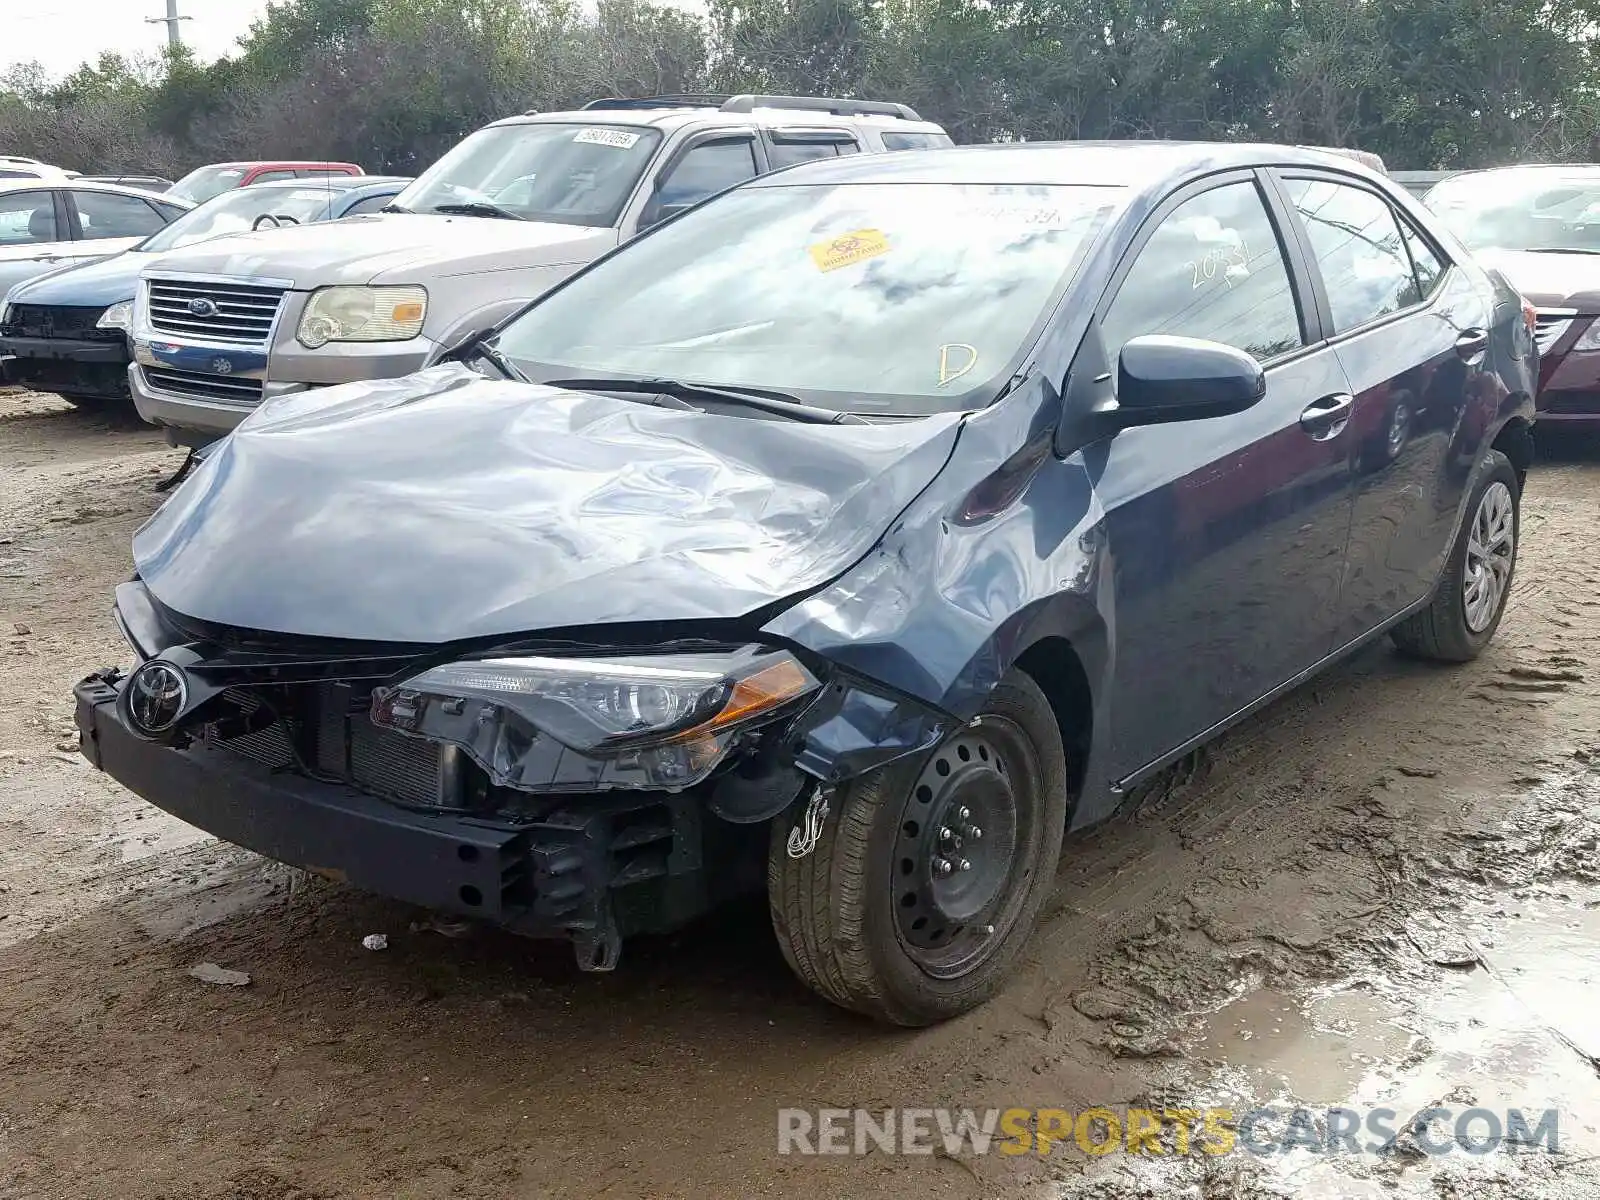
(668, 113)
(1137, 165)
(80, 185)
(331, 183)
(37, 171)
(277, 162)
(1581, 170)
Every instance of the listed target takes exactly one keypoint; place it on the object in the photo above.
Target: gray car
(504, 216)
(46, 224)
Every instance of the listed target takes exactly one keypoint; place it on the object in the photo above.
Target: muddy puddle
(1456, 1053)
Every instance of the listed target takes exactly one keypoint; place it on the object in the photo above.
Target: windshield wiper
(476, 208)
(779, 404)
(501, 362)
(1559, 250)
(394, 208)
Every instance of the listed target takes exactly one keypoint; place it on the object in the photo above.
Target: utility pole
(174, 38)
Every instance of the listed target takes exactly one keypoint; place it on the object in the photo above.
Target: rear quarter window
(916, 141)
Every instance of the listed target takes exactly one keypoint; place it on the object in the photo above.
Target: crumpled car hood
(443, 506)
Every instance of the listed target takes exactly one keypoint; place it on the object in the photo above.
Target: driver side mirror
(1161, 379)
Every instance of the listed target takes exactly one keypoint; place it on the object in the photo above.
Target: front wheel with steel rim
(1471, 597)
(924, 885)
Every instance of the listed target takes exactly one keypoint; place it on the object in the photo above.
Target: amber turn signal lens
(407, 312)
(754, 695)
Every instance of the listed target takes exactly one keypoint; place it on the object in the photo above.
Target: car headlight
(1589, 339)
(362, 314)
(585, 724)
(118, 316)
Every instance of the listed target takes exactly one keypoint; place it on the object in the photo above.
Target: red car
(1540, 227)
(202, 183)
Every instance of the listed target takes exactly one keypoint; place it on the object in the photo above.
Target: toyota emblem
(203, 306)
(156, 694)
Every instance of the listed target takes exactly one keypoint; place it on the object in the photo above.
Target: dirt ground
(1383, 890)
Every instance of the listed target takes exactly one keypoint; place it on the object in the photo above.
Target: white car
(46, 223)
(506, 215)
(14, 166)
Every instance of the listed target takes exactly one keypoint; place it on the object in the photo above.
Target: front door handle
(1472, 343)
(1326, 418)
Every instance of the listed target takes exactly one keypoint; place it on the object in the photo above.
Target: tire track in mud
(1307, 845)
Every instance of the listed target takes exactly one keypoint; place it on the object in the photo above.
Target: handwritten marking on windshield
(950, 369)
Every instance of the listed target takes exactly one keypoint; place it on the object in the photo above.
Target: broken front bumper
(70, 366)
(591, 872)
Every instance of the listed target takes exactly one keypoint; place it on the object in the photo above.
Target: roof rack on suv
(681, 100)
(749, 102)
(827, 104)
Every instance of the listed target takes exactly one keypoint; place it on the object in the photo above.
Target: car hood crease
(444, 506)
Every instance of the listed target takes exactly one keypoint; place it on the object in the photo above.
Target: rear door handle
(1326, 418)
(1472, 343)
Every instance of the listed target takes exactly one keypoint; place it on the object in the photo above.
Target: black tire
(837, 911)
(1442, 632)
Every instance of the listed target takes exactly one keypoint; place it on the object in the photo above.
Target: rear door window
(786, 151)
(1356, 239)
(109, 215)
(916, 141)
(1213, 269)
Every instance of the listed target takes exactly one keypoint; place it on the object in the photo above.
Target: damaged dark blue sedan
(853, 536)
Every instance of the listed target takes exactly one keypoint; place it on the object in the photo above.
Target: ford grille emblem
(157, 694)
(203, 306)
(222, 366)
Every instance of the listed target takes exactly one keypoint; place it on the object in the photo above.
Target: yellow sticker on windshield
(849, 248)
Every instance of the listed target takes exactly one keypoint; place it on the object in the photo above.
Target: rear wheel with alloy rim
(1398, 432)
(924, 885)
(1471, 597)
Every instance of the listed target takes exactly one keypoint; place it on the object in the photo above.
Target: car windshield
(1522, 210)
(203, 183)
(239, 211)
(568, 174)
(871, 298)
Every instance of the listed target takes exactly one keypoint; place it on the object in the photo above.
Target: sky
(62, 34)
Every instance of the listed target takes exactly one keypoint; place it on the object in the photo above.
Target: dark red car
(1540, 227)
(202, 183)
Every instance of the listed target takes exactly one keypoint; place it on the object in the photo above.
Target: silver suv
(507, 214)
